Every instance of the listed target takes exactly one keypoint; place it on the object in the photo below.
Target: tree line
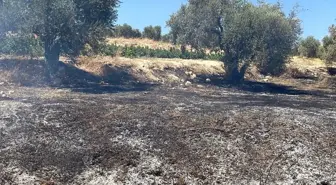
(311, 47)
(248, 34)
(150, 32)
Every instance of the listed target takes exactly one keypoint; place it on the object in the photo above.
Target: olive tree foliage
(309, 47)
(329, 45)
(247, 33)
(64, 26)
(126, 31)
(152, 32)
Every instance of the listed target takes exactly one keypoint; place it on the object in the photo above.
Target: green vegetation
(126, 31)
(64, 26)
(138, 51)
(21, 45)
(329, 45)
(309, 47)
(312, 48)
(241, 33)
(152, 32)
(248, 33)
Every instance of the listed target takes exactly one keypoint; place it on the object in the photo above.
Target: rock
(200, 86)
(193, 76)
(208, 80)
(172, 78)
(188, 83)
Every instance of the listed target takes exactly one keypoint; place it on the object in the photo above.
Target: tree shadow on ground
(258, 87)
(34, 73)
(332, 71)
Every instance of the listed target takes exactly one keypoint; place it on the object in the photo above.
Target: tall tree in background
(126, 31)
(309, 47)
(246, 32)
(152, 32)
(64, 26)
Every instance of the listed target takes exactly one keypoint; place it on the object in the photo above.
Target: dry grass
(152, 68)
(144, 42)
(306, 74)
(307, 63)
(302, 73)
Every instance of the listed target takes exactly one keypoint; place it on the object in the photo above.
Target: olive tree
(247, 33)
(126, 31)
(64, 26)
(152, 32)
(329, 44)
(309, 47)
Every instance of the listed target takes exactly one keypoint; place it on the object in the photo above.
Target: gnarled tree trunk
(234, 72)
(52, 55)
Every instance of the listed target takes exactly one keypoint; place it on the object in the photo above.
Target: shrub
(100, 49)
(138, 51)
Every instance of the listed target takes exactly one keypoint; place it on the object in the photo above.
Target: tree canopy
(309, 47)
(126, 31)
(245, 32)
(64, 26)
(329, 43)
(152, 32)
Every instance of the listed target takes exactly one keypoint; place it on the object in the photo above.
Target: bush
(21, 45)
(138, 51)
(309, 47)
(101, 49)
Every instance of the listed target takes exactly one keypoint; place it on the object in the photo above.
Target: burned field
(166, 135)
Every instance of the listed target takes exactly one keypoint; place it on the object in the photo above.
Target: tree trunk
(234, 73)
(52, 55)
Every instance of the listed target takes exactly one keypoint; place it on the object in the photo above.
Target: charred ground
(92, 131)
(166, 135)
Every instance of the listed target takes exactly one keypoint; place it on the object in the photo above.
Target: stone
(188, 83)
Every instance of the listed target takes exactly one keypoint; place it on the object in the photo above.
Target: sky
(316, 15)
